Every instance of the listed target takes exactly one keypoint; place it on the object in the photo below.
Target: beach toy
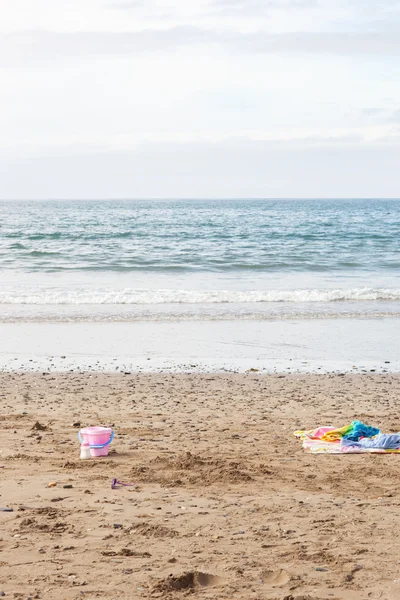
(98, 438)
(115, 484)
(85, 450)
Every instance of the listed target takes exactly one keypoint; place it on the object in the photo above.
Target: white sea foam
(130, 296)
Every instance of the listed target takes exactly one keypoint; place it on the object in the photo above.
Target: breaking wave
(130, 296)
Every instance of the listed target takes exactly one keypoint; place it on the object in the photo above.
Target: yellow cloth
(336, 434)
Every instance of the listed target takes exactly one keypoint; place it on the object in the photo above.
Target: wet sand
(282, 346)
(226, 503)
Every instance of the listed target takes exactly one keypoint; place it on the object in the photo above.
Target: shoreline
(331, 345)
(222, 487)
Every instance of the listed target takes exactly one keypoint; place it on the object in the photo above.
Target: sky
(199, 98)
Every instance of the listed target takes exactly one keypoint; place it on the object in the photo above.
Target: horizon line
(197, 198)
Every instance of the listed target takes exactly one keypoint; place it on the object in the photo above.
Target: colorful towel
(316, 442)
(384, 441)
(355, 431)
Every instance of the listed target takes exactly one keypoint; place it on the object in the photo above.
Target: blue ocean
(199, 259)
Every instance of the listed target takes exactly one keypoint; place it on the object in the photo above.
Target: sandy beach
(226, 502)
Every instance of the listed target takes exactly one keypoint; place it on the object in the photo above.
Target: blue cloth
(360, 430)
(385, 441)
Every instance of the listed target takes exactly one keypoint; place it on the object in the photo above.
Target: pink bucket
(98, 438)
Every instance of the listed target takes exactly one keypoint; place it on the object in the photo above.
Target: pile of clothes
(354, 438)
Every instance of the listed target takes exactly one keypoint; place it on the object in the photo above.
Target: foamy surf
(131, 296)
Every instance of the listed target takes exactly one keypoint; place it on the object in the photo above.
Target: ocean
(211, 260)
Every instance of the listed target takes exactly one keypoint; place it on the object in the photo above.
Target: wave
(131, 296)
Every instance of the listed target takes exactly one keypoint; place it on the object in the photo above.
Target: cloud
(16, 48)
(151, 11)
(25, 47)
(336, 43)
(382, 115)
(128, 4)
(155, 142)
(249, 8)
(395, 117)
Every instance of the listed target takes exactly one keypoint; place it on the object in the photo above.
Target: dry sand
(227, 504)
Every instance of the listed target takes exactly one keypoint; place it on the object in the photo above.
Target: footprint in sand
(188, 581)
(275, 578)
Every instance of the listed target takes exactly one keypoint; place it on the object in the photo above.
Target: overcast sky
(199, 98)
